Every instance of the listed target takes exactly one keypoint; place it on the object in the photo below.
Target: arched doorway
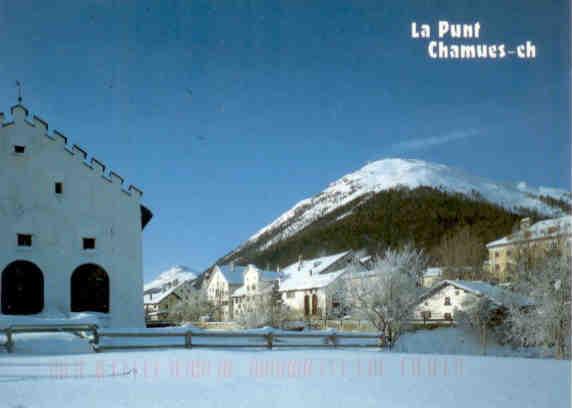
(22, 289)
(90, 289)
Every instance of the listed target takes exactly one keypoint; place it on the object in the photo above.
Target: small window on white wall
(24, 240)
(59, 187)
(89, 243)
(19, 149)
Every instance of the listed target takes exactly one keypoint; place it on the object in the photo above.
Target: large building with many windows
(533, 239)
(70, 229)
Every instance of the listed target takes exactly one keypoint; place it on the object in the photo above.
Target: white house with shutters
(257, 283)
(222, 283)
(70, 229)
(309, 286)
(445, 298)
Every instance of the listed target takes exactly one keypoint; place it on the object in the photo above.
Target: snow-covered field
(279, 378)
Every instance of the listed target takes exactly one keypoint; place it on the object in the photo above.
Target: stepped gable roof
(20, 114)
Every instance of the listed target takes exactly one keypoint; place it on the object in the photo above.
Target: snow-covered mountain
(388, 173)
(171, 277)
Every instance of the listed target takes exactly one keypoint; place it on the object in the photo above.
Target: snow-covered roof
(543, 229)
(315, 266)
(500, 296)
(432, 272)
(153, 297)
(303, 281)
(232, 273)
(172, 276)
(166, 283)
(307, 274)
(239, 292)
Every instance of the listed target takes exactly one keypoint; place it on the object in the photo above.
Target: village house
(70, 236)
(160, 301)
(308, 286)
(223, 281)
(431, 276)
(257, 283)
(535, 240)
(445, 298)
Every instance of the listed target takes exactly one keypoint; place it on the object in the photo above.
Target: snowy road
(281, 378)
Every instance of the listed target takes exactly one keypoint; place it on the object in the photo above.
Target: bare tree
(385, 295)
(478, 313)
(193, 308)
(547, 324)
(462, 254)
(264, 309)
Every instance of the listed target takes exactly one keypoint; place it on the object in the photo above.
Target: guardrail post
(95, 340)
(9, 340)
(333, 339)
(188, 339)
(269, 340)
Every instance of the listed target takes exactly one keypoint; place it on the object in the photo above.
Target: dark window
(306, 305)
(24, 240)
(447, 301)
(19, 149)
(448, 316)
(59, 188)
(314, 304)
(22, 289)
(90, 289)
(89, 243)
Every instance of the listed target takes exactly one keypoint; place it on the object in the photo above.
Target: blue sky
(227, 113)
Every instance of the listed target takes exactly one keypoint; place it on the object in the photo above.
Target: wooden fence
(269, 340)
(10, 331)
(192, 338)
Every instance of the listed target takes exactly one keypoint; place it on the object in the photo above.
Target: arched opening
(22, 289)
(90, 289)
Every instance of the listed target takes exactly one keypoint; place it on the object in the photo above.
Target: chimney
(300, 262)
(525, 224)
(232, 266)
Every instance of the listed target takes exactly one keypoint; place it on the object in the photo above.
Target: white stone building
(222, 283)
(70, 230)
(308, 286)
(448, 296)
(257, 283)
(160, 301)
